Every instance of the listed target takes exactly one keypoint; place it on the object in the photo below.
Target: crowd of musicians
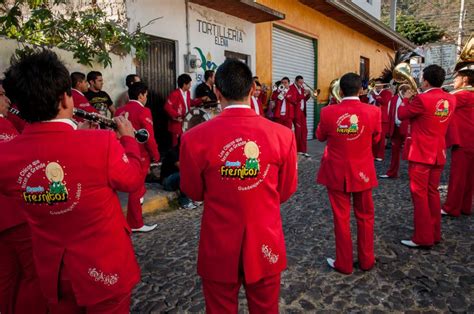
(66, 245)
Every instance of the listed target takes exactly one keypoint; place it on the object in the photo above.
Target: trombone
(314, 93)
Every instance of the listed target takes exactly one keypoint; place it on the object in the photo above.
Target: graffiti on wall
(206, 64)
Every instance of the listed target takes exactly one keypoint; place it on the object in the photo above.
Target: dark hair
(208, 74)
(183, 79)
(234, 79)
(130, 79)
(285, 78)
(469, 74)
(350, 84)
(76, 78)
(299, 77)
(278, 83)
(93, 75)
(136, 89)
(37, 82)
(434, 74)
(258, 83)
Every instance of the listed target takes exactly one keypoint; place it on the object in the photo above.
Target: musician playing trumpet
(297, 96)
(284, 111)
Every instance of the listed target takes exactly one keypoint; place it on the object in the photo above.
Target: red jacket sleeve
(191, 179)
(150, 145)
(172, 105)
(124, 165)
(288, 173)
(376, 136)
(321, 134)
(410, 110)
(196, 102)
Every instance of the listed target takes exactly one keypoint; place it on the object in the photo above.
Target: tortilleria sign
(222, 34)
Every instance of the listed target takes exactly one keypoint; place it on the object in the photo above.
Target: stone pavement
(436, 280)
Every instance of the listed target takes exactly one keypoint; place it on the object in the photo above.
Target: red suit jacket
(392, 107)
(429, 113)
(177, 108)
(295, 95)
(141, 118)
(66, 182)
(351, 128)
(289, 113)
(10, 215)
(81, 102)
(382, 101)
(259, 104)
(461, 128)
(242, 175)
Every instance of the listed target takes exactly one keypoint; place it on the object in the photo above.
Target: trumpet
(283, 90)
(141, 135)
(314, 93)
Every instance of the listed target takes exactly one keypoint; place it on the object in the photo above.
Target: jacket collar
(47, 127)
(238, 112)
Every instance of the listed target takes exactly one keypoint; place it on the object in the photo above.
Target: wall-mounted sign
(222, 35)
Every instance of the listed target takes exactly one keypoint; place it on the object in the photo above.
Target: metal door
(158, 71)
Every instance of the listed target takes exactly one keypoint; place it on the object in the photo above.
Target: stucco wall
(114, 77)
(339, 47)
(204, 24)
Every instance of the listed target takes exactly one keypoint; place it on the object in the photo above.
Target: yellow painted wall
(339, 47)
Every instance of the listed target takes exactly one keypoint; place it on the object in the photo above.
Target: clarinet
(141, 135)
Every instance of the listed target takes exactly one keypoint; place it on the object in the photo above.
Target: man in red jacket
(19, 284)
(298, 97)
(381, 97)
(141, 118)
(284, 111)
(429, 114)
(178, 105)
(255, 102)
(461, 177)
(79, 86)
(397, 130)
(242, 175)
(347, 169)
(65, 182)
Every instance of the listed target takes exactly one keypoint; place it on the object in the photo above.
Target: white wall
(114, 77)
(172, 25)
(373, 7)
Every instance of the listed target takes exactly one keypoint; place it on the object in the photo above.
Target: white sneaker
(189, 205)
(145, 228)
(142, 199)
(306, 155)
(409, 243)
(198, 203)
(378, 159)
(443, 213)
(330, 262)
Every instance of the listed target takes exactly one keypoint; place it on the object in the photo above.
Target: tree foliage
(418, 31)
(88, 33)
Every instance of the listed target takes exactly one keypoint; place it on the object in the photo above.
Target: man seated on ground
(170, 178)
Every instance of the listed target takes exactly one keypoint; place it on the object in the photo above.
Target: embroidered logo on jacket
(99, 276)
(56, 192)
(249, 169)
(271, 257)
(348, 125)
(442, 108)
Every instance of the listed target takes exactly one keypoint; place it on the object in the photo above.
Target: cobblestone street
(436, 280)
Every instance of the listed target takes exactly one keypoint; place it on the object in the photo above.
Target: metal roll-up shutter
(294, 55)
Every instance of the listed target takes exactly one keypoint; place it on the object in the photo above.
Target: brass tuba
(466, 57)
(335, 89)
(402, 74)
